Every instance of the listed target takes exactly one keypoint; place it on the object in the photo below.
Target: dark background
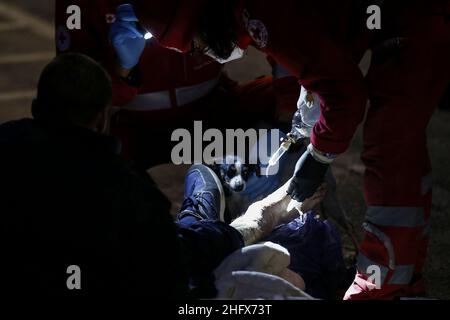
(26, 45)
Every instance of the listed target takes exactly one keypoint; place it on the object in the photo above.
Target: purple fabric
(316, 254)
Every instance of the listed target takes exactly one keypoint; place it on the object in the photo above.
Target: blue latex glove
(126, 37)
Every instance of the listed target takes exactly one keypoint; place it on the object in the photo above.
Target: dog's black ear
(255, 168)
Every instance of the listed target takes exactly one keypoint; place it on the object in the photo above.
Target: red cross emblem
(258, 32)
(110, 18)
(62, 38)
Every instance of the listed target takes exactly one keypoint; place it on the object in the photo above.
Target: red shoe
(361, 289)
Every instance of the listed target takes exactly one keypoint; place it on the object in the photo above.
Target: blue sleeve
(205, 245)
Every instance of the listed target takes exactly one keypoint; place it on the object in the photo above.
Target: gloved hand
(127, 37)
(309, 175)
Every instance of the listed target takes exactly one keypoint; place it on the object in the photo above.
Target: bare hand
(263, 216)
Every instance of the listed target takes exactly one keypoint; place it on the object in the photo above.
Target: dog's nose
(237, 184)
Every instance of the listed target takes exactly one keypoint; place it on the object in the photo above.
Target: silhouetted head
(73, 88)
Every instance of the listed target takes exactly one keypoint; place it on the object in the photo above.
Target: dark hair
(218, 27)
(72, 87)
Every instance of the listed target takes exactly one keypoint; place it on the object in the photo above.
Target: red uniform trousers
(406, 83)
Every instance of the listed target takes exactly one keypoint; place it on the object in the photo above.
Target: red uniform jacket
(322, 43)
(306, 38)
(161, 69)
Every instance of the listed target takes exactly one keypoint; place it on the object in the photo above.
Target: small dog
(234, 174)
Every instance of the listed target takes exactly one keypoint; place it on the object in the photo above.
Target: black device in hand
(309, 175)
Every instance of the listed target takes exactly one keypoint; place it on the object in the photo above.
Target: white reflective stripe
(279, 72)
(364, 263)
(190, 94)
(161, 100)
(150, 101)
(385, 240)
(402, 275)
(427, 184)
(408, 217)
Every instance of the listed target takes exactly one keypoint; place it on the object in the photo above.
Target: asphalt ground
(26, 45)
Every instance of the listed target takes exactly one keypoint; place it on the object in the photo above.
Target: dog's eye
(232, 169)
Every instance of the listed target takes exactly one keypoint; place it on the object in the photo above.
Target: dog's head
(234, 174)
